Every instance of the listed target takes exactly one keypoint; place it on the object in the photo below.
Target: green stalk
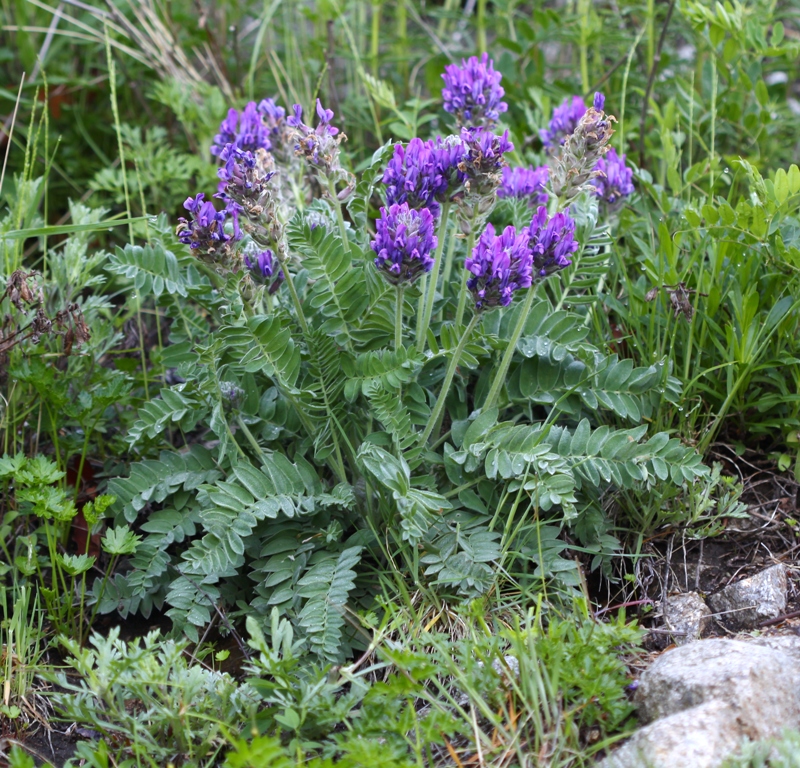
(376, 36)
(438, 410)
(398, 318)
(583, 10)
(448, 263)
(434, 279)
(249, 435)
(423, 290)
(505, 363)
(401, 15)
(339, 216)
(298, 307)
(462, 296)
(106, 576)
(481, 26)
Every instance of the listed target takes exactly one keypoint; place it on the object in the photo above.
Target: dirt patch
(47, 746)
(677, 561)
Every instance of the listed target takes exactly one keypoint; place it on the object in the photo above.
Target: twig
(651, 80)
(779, 619)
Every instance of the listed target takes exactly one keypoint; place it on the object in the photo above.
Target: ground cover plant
(367, 366)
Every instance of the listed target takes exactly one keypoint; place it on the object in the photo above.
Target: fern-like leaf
(391, 412)
(152, 268)
(326, 587)
(153, 481)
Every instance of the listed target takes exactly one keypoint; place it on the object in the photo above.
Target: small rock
(687, 616)
(746, 603)
(759, 683)
(700, 737)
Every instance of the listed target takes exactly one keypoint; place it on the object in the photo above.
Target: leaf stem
(500, 376)
(438, 410)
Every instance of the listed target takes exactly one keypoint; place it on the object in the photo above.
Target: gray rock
(745, 603)
(762, 685)
(687, 616)
(788, 644)
(700, 737)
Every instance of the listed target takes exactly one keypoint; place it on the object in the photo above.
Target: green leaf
(120, 541)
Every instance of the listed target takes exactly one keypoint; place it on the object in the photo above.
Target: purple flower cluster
(595, 127)
(260, 263)
(245, 130)
(483, 152)
(422, 173)
(500, 264)
(525, 182)
(482, 165)
(552, 240)
(565, 119)
(262, 266)
(273, 116)
(320, 145)
(472, 92)
(404, 241)
(206, 230)
(615, 180)
(244, 175)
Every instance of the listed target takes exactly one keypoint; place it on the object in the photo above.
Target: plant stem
(448, 263)
(337, 205)
(434, 279)
(438, 410)
(249, 435)
(423, 290)
(376, 37)
(298, 308)
(462, 296)
(500, 376)
(481, 26)
(398, 318)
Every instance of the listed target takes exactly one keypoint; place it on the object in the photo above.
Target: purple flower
(423, 172)
(615, 179)
(595, 126)
(403, 243)
(552, 240)
(525, 182)
(244, 130)
(565, 119)
(243, 175)
(272, 115)
(500, 264)
(318, 145)
(262, 263)
(206, 230)
(262, 266)
(484, 151)
(472, 92)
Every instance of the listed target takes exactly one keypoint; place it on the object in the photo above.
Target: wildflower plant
(409, 372)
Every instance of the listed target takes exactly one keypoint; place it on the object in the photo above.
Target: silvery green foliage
(296, 492)
(148, 701)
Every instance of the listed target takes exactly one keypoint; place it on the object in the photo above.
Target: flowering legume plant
(387, 372)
